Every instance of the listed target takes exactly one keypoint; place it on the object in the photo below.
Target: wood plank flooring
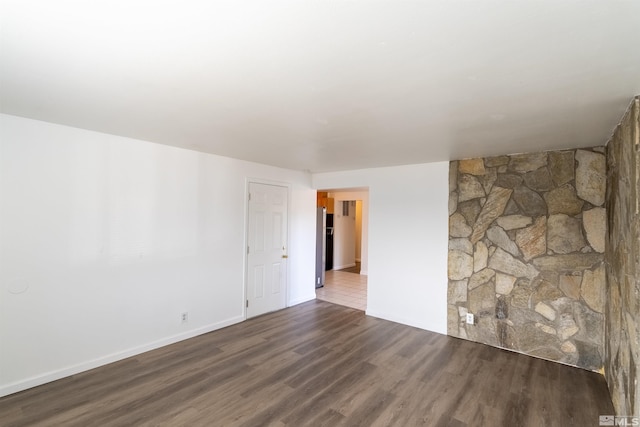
(318, 364)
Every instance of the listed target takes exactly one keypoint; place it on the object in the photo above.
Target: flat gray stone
(591, 178)
(567, 263)
(591, 324)
(546, 311)
(499, 237)
(458, 226)
(570, 284)
(453, 176)
(453, 321)
(563, 200)
(469, 188)
(485, 329)
(470, 210)
(462, 311)
(513, 222)
(532, 240)
(531, 338)
(492, 162)
(503, 261)
(563, 305)
(545, 291)
(460, 265)
(504, 283)
(457, 291)
(492, 209)
(480, 257)
(529, 201)
(590, 355)
(538, 180)
(527, 162)
(561, 166)
(520, 297)
(564, 234)
(595, 227)
(461, 244)
(453, 202)
(512, 208)
(546, 329)
(593, 288)
(481, 277)
(463, 332)
(482, 299)
(488, 179)
(508, 180)
(567, 327)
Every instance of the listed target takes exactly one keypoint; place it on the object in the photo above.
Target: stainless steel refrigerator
(324, 245)
(321, 245)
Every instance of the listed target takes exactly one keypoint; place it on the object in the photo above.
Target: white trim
(303, 299)
(340, 267)
(114, 357)
(402, 320)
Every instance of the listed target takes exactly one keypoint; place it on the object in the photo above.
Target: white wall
(341, 195)
(105, 241)
(408, 232)
(344, 236)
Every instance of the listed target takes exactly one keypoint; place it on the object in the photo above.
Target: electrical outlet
(470, 319)
(184, 317)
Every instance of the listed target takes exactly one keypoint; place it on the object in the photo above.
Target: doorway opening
(344, 288)
(342, 237)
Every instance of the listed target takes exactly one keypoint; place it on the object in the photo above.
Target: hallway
(344, 288)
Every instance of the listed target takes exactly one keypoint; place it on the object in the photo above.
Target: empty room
(162, 166)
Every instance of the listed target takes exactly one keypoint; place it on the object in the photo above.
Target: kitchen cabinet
(324, 201)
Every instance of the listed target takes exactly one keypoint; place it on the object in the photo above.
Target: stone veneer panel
(526, 253)
(622, 253)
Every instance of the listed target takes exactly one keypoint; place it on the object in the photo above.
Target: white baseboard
(403, 320)
(114, 357)
(302, 299)
(340, 267)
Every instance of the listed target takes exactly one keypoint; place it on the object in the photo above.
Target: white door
(267, 249)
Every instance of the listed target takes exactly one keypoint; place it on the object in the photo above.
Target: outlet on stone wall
(470, 319)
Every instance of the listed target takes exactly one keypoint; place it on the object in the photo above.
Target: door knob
(285, 256)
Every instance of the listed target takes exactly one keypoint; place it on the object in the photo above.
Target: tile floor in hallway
(343, 288)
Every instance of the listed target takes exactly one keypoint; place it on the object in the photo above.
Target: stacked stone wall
(526, 253)
(623, 264)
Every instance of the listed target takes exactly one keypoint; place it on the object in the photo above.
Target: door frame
(245, 262)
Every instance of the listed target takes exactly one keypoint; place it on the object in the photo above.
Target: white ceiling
(326, 85)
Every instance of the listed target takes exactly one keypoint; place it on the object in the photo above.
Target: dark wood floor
(318, 364)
